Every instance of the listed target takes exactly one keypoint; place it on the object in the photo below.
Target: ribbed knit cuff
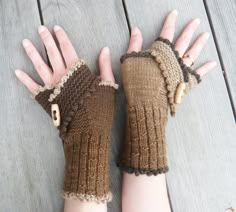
(145, 148)
(87, 167)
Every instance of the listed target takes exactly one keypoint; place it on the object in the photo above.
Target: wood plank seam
(220, 59)
(42, 23)
(126, 16)
(169, 197)
(40, 12)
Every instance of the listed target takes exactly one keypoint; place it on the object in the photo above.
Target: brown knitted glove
(153, 80)
(84, 120)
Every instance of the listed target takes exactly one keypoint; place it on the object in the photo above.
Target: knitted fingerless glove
(82, 107)
(153, 80)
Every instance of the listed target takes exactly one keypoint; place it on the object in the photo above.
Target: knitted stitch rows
(86, 107)
(151, 79)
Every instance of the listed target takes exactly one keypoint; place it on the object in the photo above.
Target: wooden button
(56, 118)
(179, 92)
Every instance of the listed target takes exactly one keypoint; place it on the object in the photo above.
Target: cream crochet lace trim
(57, 88)
(88, 197)
(109, 83)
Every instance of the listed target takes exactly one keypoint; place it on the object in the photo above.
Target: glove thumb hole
(105, 65)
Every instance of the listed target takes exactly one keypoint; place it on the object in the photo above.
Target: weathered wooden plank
(91, 27)
(223, 16)
(201, 139)
(31, 157)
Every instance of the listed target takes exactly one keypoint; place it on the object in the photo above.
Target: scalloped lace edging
(135, 54)
(142, 171)
(57, 87)
(88, 197)
(184, 68)
(109, 84)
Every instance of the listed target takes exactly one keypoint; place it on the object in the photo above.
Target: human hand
(182, 43)
(59, 69)
(155, 80)
(81, 105)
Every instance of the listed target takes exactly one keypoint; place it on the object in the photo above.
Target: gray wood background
(200, 140)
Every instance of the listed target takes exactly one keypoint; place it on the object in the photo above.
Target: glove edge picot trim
(183, 71)
(186, 69)
(58, 86)
(109, 84)
(88, 197)
(144, 171)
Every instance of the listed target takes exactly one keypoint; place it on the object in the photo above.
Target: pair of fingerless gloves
(81, 106)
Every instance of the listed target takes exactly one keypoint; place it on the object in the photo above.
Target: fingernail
(175, 12)
(198, 20)
(207, 34)
(106, 50)
(25, 42)
(214, 63)
(41, 28)
(135, 31)
(17, 72)
(56, 28)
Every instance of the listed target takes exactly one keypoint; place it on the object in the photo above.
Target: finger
(67, 49)
(105, 65)
(196, 48)
(205, 68)
(168, 29)
(27, 81)
(53, 53)
(41, 67)
(184, 39)
(136, 41)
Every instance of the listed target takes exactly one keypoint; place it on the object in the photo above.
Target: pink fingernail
(41, 29)
(17, 72)
(207, 35)
(198, 20)
(135, 31)
(56, 28)
(106, 50)
(175, 12)
(214, 63)
(25, 42)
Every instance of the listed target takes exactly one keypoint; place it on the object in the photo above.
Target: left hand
(182, 43)
(59, 69)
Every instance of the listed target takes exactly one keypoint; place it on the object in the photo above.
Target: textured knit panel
(147, 109)
(74, 92)
(167, 58)
(90, 174)
(151, 81)
(86, 110)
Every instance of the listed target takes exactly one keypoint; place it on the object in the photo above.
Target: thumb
(105, 65)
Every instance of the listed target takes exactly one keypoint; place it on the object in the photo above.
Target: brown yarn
(86, 110)
(151, 79)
